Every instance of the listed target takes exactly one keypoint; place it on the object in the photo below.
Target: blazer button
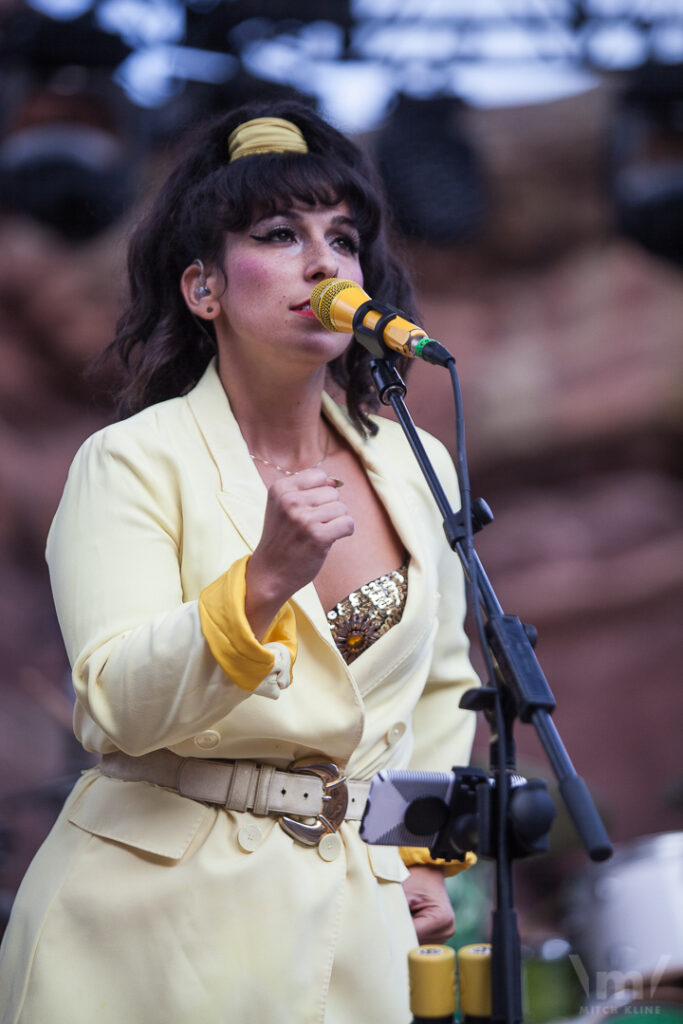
(249, 837)
(330, 846)
(396, 733)
(207, 740)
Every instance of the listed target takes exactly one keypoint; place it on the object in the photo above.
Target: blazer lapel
(242, 494)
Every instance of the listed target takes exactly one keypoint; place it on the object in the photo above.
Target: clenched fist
(304, 517)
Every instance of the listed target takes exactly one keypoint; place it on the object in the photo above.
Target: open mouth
(302, 307)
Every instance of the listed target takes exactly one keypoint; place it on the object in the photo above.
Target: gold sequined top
(367, 614)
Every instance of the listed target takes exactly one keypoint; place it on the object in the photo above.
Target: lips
(304, 310)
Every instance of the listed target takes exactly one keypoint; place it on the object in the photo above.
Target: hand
(304, 517)
(429, 904)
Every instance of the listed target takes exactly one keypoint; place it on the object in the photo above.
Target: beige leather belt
(311, 788)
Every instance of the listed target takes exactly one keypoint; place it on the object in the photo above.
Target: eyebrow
(338, 219)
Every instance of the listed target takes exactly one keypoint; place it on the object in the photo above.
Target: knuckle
(300, 517)
(289, 501)
(319, 533)
(311, 477)
(279, 487)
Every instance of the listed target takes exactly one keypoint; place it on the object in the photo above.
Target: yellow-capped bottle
(431, 972)
(474, 979)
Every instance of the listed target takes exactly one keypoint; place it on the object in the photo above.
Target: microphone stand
(505, 820)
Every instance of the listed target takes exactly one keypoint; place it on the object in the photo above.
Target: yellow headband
(265, 135)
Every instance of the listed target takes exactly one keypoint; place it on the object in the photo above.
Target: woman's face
(271, 269)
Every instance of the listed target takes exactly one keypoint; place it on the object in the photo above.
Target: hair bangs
(267, 182)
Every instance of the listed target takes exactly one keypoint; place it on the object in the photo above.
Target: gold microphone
(344, 306)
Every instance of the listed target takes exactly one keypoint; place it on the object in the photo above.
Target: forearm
(264, 597)
(156, 686)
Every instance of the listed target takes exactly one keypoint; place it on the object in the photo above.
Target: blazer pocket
(387, 864)
(140, 815)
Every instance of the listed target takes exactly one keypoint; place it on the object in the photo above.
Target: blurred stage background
(534, 158)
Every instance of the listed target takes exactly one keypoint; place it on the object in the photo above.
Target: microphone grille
(323, 296)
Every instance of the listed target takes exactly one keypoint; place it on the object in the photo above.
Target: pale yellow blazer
(143, 906)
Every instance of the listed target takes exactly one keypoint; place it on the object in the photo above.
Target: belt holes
(305, 796)
(283, 792)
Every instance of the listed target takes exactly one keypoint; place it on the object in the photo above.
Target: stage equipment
(646, 160)
(497, 814)
(432, 171)
(431, 974)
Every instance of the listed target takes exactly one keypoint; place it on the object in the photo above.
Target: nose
(322, 261)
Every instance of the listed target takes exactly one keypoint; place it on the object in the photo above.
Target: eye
(349, 243)
(280, 233)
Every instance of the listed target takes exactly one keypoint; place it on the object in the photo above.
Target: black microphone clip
(371, 338)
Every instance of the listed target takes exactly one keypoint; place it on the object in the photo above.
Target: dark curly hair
(164, 350)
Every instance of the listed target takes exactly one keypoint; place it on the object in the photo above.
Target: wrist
(264, 597)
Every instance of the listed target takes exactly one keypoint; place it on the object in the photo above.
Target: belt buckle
(335, 802)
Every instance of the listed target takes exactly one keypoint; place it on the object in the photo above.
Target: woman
(210, 562)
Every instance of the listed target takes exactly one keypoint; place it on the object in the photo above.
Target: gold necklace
(292, 472)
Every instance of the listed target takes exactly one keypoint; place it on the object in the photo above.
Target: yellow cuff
(412, 855)
(231, 640)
